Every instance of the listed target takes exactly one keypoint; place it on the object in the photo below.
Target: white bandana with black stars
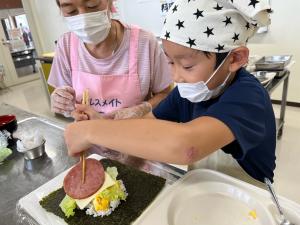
(215, 25)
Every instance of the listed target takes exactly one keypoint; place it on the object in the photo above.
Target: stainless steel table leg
(283, 106)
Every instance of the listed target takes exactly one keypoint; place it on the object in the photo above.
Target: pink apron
(108, 92)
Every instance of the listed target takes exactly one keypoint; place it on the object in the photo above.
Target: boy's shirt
(245, 107)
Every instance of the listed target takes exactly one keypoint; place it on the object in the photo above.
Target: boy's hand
(75, 138)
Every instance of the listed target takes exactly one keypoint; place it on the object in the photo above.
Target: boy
(216, 105)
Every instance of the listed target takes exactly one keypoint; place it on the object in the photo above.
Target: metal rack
(284, 77)
(24, 57)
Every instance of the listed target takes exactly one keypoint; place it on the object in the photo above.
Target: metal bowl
(35, 152)
(264, 77)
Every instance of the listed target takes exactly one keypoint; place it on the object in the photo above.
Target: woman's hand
(134, 112)
(85, 112)
(63, 100)
(76, 138)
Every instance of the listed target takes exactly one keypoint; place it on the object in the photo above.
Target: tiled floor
(31, 97)
(26, 70)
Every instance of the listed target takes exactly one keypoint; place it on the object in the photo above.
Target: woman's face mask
(198, 92)
(91, 28)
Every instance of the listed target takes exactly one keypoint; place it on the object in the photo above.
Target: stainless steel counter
(18, 176)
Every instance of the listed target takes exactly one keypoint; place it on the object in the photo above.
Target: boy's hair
(219, 57)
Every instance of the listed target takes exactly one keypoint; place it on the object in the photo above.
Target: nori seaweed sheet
(142, 189)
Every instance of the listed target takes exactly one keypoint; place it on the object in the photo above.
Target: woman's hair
(109, 1)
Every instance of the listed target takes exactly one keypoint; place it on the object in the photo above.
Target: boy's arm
(179, 143)
(149, 116)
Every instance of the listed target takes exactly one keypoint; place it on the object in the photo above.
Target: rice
(112, 206)
(4, 135)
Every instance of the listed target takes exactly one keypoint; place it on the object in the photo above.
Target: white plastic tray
(206, 197)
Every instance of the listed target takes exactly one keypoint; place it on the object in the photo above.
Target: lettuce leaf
(113, 193)
(112, 172)
(68, 205)
(4, 153)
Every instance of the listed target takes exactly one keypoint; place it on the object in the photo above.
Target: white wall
(145, 13)
(283, 36)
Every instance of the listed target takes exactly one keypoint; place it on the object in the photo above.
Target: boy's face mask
(91, 28)
(198, 92)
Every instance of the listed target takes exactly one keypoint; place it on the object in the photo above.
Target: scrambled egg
(100, 204)
(253, 214)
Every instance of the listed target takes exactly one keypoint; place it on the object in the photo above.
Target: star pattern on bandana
(227, 21)
(167, 35)
(218, 7)
(253, 3)
(191, 42)
(235, 37)
(214, 26)
(180, 24)
(175, 9)
(220, 47)
(198, 13)
(209, 31)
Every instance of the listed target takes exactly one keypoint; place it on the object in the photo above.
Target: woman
(122, 66)
(216, 105)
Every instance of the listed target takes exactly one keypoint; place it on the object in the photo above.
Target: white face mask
(91, 28)
(198, 92)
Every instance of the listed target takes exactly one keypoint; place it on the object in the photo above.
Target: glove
(137, 111)
(85, 112)
(63, 100)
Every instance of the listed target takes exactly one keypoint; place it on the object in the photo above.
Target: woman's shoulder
(64, 41)
(144, 35)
